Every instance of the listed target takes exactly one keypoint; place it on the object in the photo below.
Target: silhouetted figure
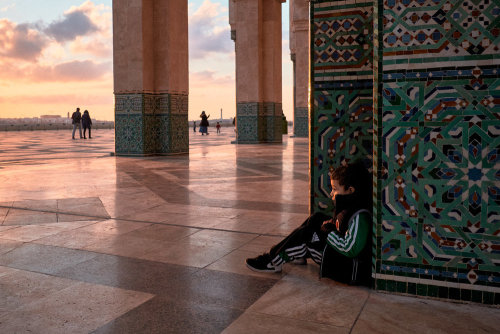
(218, 127)
(204, 123)
(86, 123)
(194, 126)
(76, 120)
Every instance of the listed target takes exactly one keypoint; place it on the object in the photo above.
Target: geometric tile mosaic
(440, 144)
(151, 124)
(436, 135)
(464, 31)
(301, 122)
(342, 115)
(259, 122)
(342, 40)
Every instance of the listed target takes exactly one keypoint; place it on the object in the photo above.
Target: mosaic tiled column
(256, 30)
(377, 130)
(150, 77)
(342, 83)
(438, 218)
(151, 124)
(436, 143)
(299, 49)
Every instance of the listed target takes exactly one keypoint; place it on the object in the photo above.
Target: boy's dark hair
(353, 175)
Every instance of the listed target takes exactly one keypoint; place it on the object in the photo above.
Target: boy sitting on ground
(345, 236)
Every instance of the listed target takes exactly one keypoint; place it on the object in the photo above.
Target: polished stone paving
(93, 243)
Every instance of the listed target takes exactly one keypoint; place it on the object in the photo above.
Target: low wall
(51, 126)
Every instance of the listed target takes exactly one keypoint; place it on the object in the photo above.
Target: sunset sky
(56, 55)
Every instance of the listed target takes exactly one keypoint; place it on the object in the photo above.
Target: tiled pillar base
(301, 122)
(151, 124)
(259, 122)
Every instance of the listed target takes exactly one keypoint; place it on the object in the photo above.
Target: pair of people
(79, 120)
(340, 243)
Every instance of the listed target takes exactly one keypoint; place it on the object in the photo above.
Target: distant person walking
(76, 120)
(86, 123)
(194, 126)
(204, 123)
(218, 127)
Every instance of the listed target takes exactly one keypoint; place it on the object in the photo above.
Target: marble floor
(93, 243)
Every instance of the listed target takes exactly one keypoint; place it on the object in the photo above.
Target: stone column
(256, 30)
(299, 52)
(150, 52)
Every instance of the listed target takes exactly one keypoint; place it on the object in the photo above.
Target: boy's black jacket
(345, 207)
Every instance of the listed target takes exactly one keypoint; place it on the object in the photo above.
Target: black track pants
(305, 241)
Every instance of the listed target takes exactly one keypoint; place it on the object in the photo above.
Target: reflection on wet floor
(90, 242)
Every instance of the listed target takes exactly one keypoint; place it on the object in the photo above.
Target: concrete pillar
(256, 30)
(299, 52)
(150, 52)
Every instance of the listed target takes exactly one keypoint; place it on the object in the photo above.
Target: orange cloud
(59, 99)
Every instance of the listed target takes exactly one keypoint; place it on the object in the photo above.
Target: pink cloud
(209, 79)
(72, 71)
(98, 48)
(206, 35)
(84, 30)
(76, 71)
(21, 41)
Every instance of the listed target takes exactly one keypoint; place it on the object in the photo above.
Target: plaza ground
(93, 243)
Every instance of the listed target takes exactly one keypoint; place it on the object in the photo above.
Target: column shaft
(256, 28)
(150, 45)
(299, 49)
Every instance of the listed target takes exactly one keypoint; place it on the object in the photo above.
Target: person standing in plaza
(204, 123)
(86, 123)
(76, 121)
(218, 127)
(194, 126)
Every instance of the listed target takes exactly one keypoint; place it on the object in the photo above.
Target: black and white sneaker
(263, 264)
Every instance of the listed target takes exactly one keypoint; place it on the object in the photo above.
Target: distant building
(50, 116)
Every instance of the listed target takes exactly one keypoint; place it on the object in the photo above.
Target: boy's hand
(328, 226)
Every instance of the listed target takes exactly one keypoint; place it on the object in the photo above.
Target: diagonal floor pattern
(93, 243)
